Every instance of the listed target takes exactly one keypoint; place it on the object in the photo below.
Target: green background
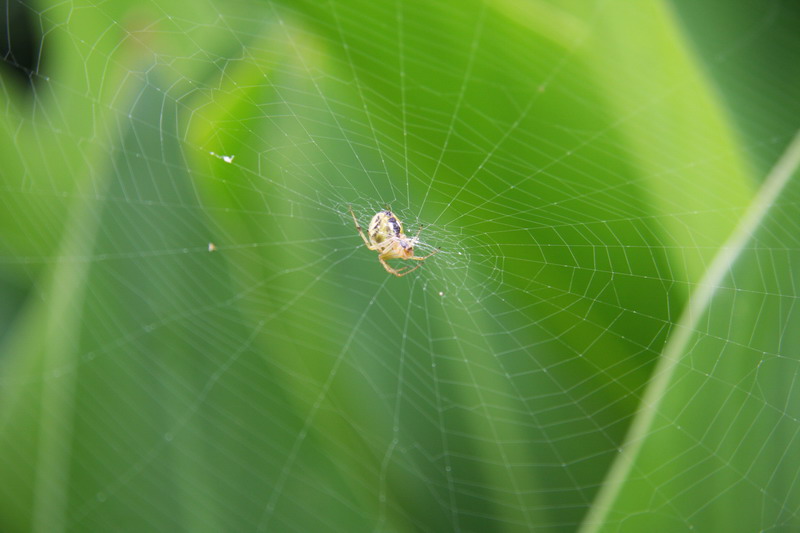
(580, 164)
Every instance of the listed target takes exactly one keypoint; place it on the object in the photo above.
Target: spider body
(387, 238)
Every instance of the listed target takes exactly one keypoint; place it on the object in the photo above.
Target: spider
(387, 238)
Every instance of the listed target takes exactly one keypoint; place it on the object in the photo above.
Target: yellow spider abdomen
(383, 226)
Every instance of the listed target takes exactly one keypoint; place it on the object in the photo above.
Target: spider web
(194, 336)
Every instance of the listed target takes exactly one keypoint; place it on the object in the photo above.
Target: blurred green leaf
(205, 344)
(736, 451)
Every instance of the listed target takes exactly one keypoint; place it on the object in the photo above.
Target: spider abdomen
(383, 226)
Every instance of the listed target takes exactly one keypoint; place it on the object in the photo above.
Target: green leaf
(193, 336)
(728, 352)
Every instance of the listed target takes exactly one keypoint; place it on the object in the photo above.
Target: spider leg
(360, 231)
(424, 257)
(395, 271)
(401, 271)
(416, 239)
(407, 271)
(388, 268)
